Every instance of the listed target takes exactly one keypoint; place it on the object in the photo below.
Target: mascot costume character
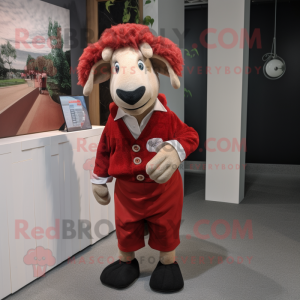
(142, 146)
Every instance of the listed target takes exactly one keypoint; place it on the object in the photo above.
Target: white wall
(226, 101)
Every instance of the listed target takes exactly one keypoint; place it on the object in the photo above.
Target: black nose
(131, 97)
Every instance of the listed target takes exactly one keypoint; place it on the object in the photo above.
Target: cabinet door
(29, 176)
(5, 190)
(65, 164)
(41, 179)
(21, 215)
(80, 187)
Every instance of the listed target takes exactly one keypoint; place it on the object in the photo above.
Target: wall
(195, 79)
(151, 10)
(272, 118)
(273, 105)
(172, 26)
(106, 20)
(78, 35)
(226, 100)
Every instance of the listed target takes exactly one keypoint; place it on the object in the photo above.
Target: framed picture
(34, 66)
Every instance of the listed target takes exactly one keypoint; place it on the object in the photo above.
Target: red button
(136, 148)
(140, 177)
(137, 160)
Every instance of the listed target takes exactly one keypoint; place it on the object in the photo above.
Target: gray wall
(169, 25)
(78, 34)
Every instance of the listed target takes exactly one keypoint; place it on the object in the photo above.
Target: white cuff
(101, 180)
(176, 145)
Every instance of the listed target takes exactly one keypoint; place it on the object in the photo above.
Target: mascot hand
(101, 193)
(162, 166)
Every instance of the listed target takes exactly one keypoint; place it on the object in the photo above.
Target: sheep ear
(146, 50)
(107, 53)
(99, 73)
(162, 66)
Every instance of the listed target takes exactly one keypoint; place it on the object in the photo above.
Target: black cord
(275, 18)
(267, 55)
(274, 40)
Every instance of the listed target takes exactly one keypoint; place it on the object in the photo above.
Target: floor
(260, 263)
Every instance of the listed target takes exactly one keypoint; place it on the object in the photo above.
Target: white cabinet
(5, 190)
(47, 205)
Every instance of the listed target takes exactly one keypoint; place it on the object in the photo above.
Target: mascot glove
(101, 193)
(162, 166)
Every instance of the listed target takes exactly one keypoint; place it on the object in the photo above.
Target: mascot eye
(141, 65)
(117, 67)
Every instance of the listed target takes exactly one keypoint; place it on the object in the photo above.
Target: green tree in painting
(68, 57)
(30, 64)
(1, 62)
(2, 68)
(8, 54)
(40, 63)
(49, 56)
(29, 58)
(63, 76)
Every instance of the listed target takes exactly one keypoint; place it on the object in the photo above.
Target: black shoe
(166, 278)
(120, 275)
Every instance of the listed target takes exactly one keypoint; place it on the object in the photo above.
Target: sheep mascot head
(131, 57)
(142, 145)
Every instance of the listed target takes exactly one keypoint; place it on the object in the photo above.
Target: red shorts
(159, 204)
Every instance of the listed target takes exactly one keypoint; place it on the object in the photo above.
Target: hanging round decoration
(274, 67)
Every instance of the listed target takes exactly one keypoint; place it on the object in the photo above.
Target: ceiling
(192, 3)
(253, 1)
(272, 1)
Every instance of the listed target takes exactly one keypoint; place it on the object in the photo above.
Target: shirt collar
(157, 107)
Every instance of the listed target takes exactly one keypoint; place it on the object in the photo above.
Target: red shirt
(122, 156)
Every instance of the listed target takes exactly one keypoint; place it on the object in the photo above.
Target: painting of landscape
(34, 66)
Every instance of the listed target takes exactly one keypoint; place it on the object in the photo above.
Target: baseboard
(199, 167)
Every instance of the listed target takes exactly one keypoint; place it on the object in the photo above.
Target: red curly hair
(124, 35)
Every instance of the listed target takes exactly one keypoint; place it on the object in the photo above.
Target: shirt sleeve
(185, 140)
(178, 147)
(101, 180)
(100, 173)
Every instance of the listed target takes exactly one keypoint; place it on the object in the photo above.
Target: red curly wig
(128, 35)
